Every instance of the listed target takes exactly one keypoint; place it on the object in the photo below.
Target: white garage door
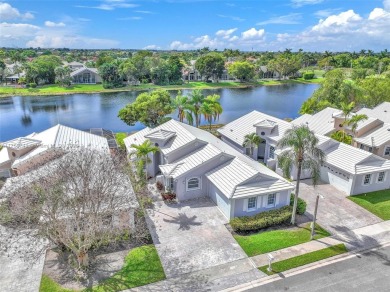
(335, 180)
(220, 200)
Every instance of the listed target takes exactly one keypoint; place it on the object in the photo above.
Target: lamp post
(315, 216)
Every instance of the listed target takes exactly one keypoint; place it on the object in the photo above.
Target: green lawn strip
(142, 266)
(305, 259)
(119, 139)
(377, 203)
(267, 241)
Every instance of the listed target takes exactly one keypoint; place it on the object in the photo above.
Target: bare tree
(80, 201)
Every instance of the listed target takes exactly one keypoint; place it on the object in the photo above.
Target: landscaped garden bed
(377, 203)
(305, 259)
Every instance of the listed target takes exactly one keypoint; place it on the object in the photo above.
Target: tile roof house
(23, 154)
(348, 168)
(194, 163)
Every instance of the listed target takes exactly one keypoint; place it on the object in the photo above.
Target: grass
(305, 259)
(142, 266)
(267, 241)
(119, 139)
(377, 203)
(96, 88)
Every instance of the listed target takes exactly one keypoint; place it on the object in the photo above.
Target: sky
(273, 25)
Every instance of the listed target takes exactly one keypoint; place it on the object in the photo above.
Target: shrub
(308, 75)
(262, 220)
(119, 139)
(301, 206)
(32, 85)
(168, 196)
(159, 185)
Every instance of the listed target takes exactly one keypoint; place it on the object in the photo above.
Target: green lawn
(305, 259)
(142, 266)
(268, 241)
(377, 203)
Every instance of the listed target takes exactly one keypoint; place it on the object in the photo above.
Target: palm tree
(184, 108)
(196, 100)
(251, 140)
(142, 152)
(347, 109)
(355, 120)
(207, 110)
(301, 150)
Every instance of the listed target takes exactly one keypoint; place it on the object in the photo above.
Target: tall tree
(110, 75)
(210, 66)
(183, 108)
(196, 101)
(300, 151)
(244, 71)
(142, 152)
(250, 141)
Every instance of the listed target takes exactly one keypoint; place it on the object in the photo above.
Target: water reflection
(83, 111)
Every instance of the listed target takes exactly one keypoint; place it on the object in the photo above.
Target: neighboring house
(23, 154)
(349, 169)
(265, 73)
(191, 74)
(194, 163)
(75, 65)
(372, 135)
(85, 75)
(14, 79)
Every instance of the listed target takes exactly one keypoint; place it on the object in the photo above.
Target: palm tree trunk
(146, 168)
(296, 193)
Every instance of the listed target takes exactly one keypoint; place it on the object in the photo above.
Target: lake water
(20, 116)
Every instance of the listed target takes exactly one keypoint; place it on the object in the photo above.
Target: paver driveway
(191, 236)
(336, 213)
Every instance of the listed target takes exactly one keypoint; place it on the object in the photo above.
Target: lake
(20, 116)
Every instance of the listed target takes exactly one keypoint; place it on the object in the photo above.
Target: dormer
(160, 137)
(264, 127)
(339, 120)
(20, 146)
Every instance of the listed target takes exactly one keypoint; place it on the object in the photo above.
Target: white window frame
(199, 183)
(274, 200)
(387, 147)
(271, 154)
(364, 179)
(255, 204)
(383, 178)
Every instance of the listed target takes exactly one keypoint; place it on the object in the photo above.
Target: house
(347, 168)
(75, 65)
(194, 163)
(23, 154)
(85, 75)
(191, 74)
(372, 135)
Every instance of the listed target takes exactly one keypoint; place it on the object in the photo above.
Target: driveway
(336, 213)
(191, 236)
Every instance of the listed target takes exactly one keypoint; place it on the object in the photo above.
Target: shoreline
(46, 90)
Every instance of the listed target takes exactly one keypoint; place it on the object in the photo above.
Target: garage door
(220, 200)
(338, 182)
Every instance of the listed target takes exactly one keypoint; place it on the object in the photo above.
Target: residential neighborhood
(194, 146)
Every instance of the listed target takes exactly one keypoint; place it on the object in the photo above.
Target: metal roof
(21, 143)
(160, 134)
(238, 129)
(265, 124)
(81, 70)
(376, 137)
(262, 187)
(381, 112)
(4, 158)
(321, 123)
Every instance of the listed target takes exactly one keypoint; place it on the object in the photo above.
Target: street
(367, 272)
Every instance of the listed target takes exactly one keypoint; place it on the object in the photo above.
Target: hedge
(262, 220)
(301, 206)
(308, 75)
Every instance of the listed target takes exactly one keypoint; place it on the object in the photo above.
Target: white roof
(21, 143)
(265, 124)
(160, 134)
(376, 137)
(381, 112)
(321, 123)
(4, 158)
(238, 129)
(263, 187)
(63, 137)
(81, 70)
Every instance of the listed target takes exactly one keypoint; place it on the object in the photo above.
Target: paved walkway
(336, 213)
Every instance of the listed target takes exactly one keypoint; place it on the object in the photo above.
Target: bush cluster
(308, 75)
(301, 206)
(31, 85)
(262, 220)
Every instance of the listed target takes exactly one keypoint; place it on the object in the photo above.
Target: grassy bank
(377, 203)
(267, 241)
(305, 259)
(98, 88)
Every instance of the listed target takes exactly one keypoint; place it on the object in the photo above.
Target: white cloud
(109, 5)
(152, 47)
(235, 18)
(54, 24)
(144, 11)
(130, 18)
(386, 5)
(225, 33)
(299, 3)
(338, 23)
(292, 18)
(70, 41)
(8, 12)
(252, 34)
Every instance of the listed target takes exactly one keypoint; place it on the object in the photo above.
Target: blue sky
(313, 25)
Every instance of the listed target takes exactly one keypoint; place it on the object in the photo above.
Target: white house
(349, 169)
(85, 75)
(194, 163)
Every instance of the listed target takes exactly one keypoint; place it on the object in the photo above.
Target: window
(367, 179)
(171, 183)
(271, 152)
(381, 176)
(262, 133)
(252, 203)
(387, 150)
(369, 149)
(361, 146)
(193, 183)
(271, 200)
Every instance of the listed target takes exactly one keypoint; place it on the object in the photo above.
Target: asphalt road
(366, 272)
